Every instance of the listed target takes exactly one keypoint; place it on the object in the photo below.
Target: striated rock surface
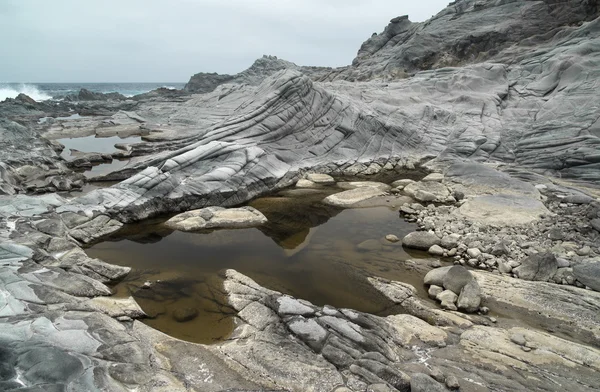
(500, 96)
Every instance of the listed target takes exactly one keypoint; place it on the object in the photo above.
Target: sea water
(45, 91)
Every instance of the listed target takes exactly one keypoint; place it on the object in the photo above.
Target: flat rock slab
(503, 210)
(352, 197)
(364, 184)
(217, 218)
(562, 308)
(321, 179)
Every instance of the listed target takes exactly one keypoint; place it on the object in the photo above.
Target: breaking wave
(32, 91)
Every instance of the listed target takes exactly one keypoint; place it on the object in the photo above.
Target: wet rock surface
(511, 129)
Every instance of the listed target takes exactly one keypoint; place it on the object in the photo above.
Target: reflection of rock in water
(290, 219)
(149, 232)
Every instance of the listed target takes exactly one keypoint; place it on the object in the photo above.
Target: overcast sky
(169, 40)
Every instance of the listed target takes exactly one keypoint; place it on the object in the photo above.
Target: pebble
(452, 382)
(392, 238)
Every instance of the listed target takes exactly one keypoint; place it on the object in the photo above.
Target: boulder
(456, 278)
(470, 297)
(422, 240)
(588, 274)
(436, 276)
(540, 266)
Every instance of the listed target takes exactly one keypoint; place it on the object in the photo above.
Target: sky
(169, 40)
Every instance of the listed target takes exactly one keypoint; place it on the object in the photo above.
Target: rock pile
(455, 287)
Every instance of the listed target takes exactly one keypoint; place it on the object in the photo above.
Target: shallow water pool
(308, 250)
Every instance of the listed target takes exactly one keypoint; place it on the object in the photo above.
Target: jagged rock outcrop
(261, 69)
(465, 32)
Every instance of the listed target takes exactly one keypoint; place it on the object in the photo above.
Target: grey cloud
(152, 40)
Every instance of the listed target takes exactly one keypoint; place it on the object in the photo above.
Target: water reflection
(307, 250)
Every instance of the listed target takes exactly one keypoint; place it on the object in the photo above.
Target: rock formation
(500, 98)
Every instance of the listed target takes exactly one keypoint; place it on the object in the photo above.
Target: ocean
(45, 91)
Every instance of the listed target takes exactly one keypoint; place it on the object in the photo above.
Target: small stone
(518, 339)
(585, 251)
(124, 318)
(452, 382)
(447, 299)
(436, 250)
(436, 374)
(435, 264)
(504, 268)
(562, 263)
(526, 349)
(493, 319)
(484, 310)
(452, 252)
(437, 177)
(473, 253)
(147, 285)
(434, 291)
(392, 238)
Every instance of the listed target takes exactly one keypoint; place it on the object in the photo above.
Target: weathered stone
(420, 382)
(217, 217)
(469, 299)
(541, 267)
(588, 274)
(352, 197)
(436, 250)
(436, 276)
(456, 278)
(422, 240)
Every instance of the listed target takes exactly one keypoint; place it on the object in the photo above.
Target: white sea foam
(27, 89)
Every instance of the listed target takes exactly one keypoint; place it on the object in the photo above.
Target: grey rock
(448, 299)
(469, 299)
(436, 276)
(436, 250)
(434, 291)
(450, 241)
(595, 224)
(456, 278)
(452, 382)
(420, 382)
(422, 240)
(578, 199)
(540, 267)
(217, 218)
(588, 274)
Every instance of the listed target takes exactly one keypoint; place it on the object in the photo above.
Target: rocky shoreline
(486, 138)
